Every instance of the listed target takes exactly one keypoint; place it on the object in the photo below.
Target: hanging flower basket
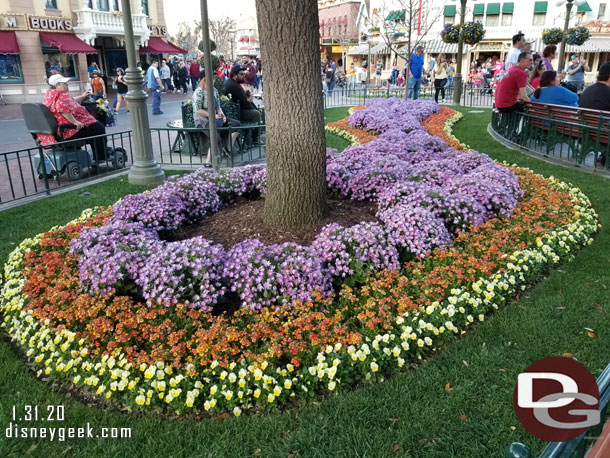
(577, 36)
(552, 36)
(450, 33)
(472, 32)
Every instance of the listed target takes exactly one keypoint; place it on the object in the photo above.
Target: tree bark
(296, 146)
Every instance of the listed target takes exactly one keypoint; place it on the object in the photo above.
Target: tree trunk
(296, 146)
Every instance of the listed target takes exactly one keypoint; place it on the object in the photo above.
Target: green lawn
(410, 415)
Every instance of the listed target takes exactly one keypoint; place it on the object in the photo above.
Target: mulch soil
(244, 220)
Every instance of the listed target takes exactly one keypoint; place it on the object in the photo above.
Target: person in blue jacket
(552, 93)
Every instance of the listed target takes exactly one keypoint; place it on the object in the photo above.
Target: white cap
(55, 79)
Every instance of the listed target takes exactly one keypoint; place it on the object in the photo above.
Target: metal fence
(569, 142)
(38, 171)
(353, 95)
(190, 147)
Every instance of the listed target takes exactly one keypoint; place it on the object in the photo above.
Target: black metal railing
(42, 170)
(471, 96)
(576, 448)
(189, 147)
(567, 141)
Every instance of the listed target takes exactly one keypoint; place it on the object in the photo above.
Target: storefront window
(10, 69)
(51, 5)
(66, 63)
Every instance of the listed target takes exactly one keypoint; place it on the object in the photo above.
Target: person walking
(416, 65)
(182, 77)
(121, 90)
(154, 84)
(98, 86)
(165, 73)
(440, 77)
(194, 70)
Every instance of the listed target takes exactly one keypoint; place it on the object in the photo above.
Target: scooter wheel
(74, 171)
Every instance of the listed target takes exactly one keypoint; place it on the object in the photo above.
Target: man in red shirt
(512, 87)
(194, 72)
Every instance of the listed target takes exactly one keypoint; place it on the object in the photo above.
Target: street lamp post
(457, 81)
(566, 24)
(232, 33)
(144, 170)
(209, 77)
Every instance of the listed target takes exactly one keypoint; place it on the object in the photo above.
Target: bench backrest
(598, 120)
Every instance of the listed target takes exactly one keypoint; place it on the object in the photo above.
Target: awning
(381, 48)
(540, 7)
(593, 45)
(158, 46)
(478, 9)
(493, 8)
(508, 8)
(449, 10)
(584, 8)
(398, 15)
(178, 49)
(8, 43)
(437, 47)
(359, 50)
(67, 43)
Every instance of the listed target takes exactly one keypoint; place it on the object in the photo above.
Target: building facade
(339, 27)
(501, 21)
(71, 34)
(246, 37)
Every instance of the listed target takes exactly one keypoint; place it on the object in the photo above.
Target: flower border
(246, 385)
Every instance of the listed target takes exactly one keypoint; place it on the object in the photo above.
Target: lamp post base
(457, 89)
(146, 173)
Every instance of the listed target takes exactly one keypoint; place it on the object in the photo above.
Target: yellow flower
(140, 400)
(374, 367)
(237, 411)
(331, 385)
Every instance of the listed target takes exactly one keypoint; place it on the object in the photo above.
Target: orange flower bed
(440, 124)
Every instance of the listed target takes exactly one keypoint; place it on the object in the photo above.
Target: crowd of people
(527, 75)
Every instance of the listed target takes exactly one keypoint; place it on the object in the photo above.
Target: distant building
(247, 37)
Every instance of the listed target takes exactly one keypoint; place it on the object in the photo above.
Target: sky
(190, 10)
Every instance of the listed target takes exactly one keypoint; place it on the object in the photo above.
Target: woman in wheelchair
(201, 116)
(67, 110)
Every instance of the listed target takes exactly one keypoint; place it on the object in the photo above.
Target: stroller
(69, 158)
(101, 111)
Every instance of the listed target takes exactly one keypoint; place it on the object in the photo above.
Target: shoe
(127, 111)
(158, 113)
(207, 165)
(116, 112)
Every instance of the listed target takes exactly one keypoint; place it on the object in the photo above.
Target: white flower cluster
(243, 385)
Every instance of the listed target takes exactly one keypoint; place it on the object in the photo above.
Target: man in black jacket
(597, 96)
(233, 86)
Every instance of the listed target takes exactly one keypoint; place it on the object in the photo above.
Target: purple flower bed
(426, 193)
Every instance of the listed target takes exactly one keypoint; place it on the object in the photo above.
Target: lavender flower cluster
(381, 115)
(425, 191)
(271, 275)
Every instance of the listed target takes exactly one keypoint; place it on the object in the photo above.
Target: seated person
(201, 115)
(551, 92)
(233, 86)
(597, 96)
(67, 110)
